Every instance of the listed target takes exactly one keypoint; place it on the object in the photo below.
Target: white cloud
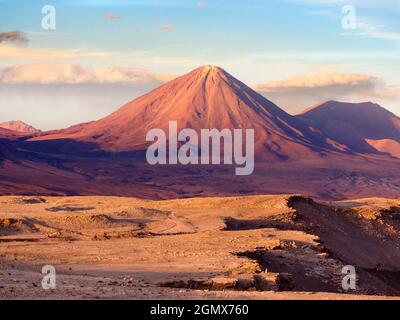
(369, 29)
(73, 74)
(296, 93)
(52, 96)
(321, 80)
(26, 53)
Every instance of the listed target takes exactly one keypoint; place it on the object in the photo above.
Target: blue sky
(295, 52)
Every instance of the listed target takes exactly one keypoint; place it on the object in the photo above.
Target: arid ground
(256, 247)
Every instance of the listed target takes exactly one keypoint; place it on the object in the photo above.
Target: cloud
(18, 53)
(167, 27)
(74, 74)
(54, 96)
(13, 37)
(10, 50)
(369, 29)
(327, 81)
(298, 92)
(110, 16)
(396, 86)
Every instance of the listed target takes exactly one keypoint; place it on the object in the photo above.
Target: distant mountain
(206, 98)
(5, 133)
(332, 151)
(18, 126)
(6, 139)
(361, 127)
(10, 134)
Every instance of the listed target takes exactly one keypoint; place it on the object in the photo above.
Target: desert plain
(250, 247)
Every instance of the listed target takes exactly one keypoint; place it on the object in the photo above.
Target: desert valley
(324, 194)
(256, 247)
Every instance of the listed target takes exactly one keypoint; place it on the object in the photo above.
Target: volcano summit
(206, 98)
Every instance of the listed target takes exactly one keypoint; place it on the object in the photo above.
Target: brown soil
(251, 247)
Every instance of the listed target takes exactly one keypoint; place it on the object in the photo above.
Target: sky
(102, 54)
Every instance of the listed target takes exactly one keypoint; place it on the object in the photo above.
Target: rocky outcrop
(261, 282)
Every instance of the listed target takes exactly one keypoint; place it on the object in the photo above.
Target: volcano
(18, 126)
(362, 127)
(206, 98)
(311, 153)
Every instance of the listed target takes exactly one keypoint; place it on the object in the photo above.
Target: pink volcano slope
(206, 98)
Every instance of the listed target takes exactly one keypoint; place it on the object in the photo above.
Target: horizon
(102, 54)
